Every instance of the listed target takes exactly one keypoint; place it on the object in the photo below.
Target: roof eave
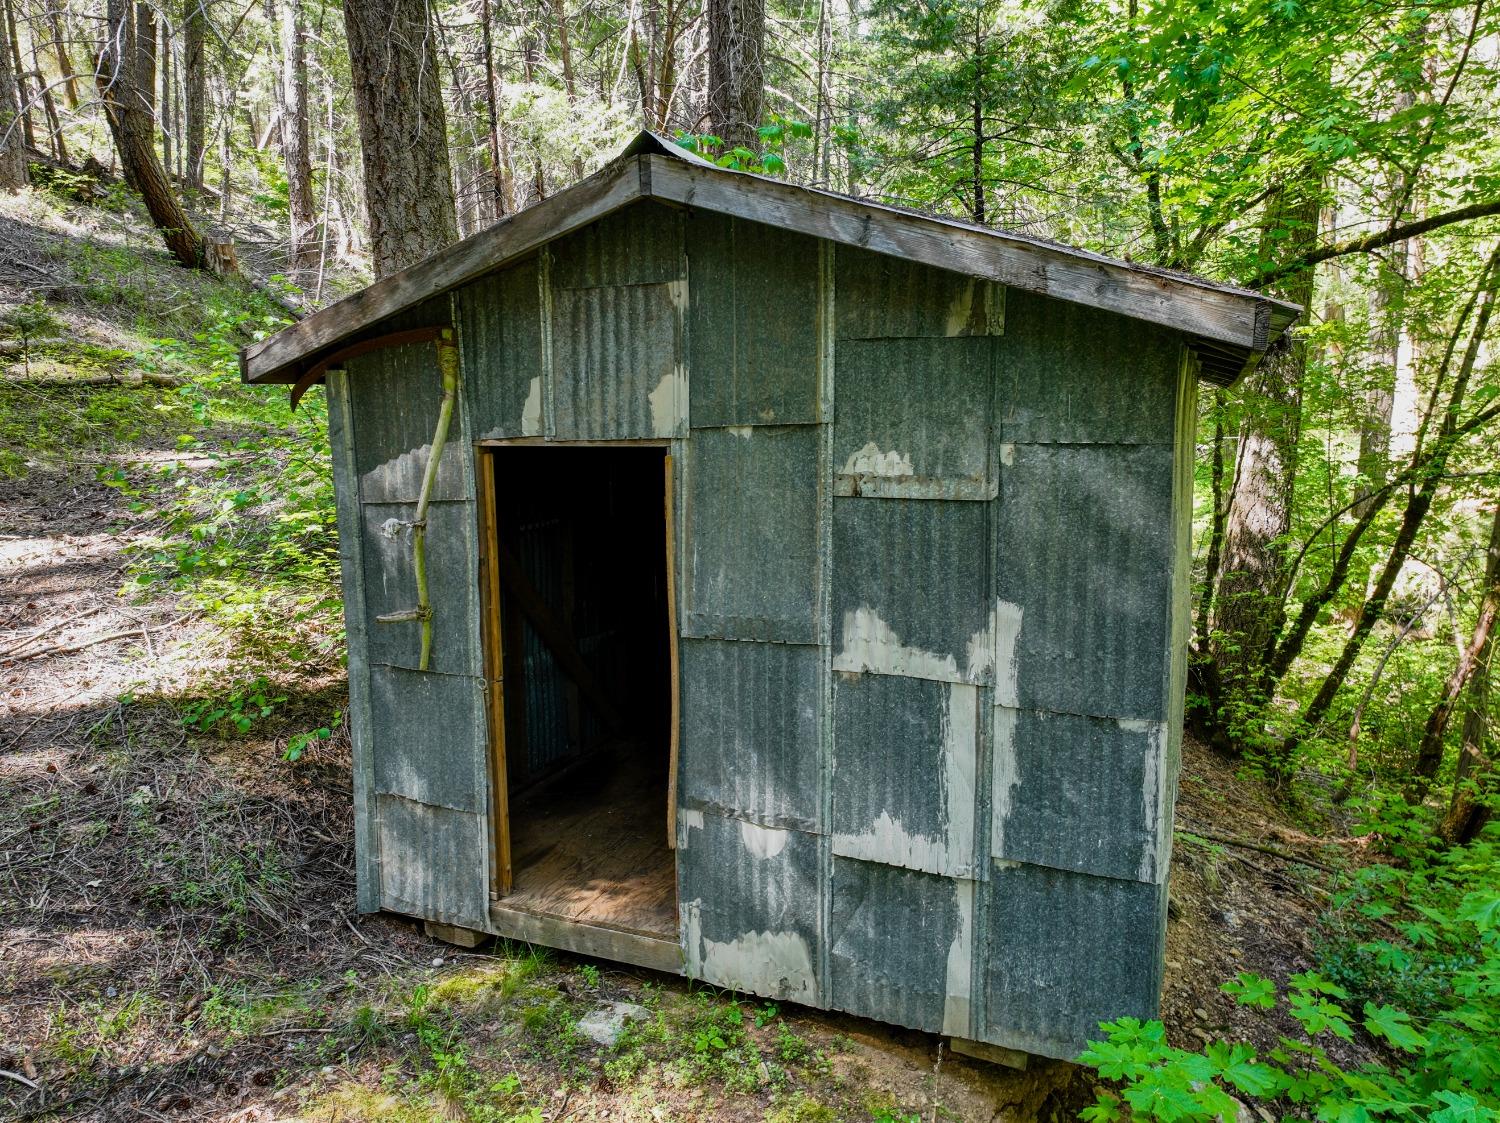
(1228, 328)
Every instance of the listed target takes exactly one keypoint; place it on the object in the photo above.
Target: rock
(604, 1024)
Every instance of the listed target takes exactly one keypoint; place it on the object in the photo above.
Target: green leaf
(1249, 989)
(1482, 907)
(1393, 1025)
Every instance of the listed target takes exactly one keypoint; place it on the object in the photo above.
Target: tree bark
(397, 92)
(1249, 600)
(145, 55)
(296, 143)
(194, 99)
(1468, 811)
(12, 142)
(736, 71)
(134, 133)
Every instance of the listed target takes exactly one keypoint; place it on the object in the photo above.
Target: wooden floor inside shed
(591, 847)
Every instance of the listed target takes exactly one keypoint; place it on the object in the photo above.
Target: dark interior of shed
(580, 546)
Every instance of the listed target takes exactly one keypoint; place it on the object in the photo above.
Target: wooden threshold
(619, 945)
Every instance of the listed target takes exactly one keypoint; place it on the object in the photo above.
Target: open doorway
(580, 612)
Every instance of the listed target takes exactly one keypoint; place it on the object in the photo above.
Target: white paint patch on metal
(743, 432)
(688, 818)
(1005, 626)
(872, 646)
(773, 964)
(531, 413)
(950, 853)
(958, 1000)
(1008, 453)
(871, 461)
(1154, 798)
(669, 403)
(762, 842)
(1007, 777)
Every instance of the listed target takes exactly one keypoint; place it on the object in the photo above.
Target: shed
(775, 587)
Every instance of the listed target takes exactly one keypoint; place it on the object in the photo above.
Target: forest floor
(178, 931)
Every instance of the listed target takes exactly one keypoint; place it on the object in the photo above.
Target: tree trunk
(167, 112)
(145, 56)
(23, 87)
(736, 71)
(1250, 596)
(59, 48)
(194, 99)
(1468, 811)
(1430, 751)
(296, 143)
(134, 133)
(398, 93)
(492, 116)
(12, 143)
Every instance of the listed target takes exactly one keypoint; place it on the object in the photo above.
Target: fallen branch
(92, 641)
(19, 1079)
(1258, 847)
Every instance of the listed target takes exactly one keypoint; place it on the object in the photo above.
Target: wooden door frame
(492, 633)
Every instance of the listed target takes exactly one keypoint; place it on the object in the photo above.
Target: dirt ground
(179, 940)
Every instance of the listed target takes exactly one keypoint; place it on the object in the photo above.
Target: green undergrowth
(499, 1042)
(1408, 969)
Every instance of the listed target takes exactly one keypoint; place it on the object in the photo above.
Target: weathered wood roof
(1229, 328)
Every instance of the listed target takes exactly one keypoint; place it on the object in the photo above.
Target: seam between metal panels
(549, 376)
(367, 855)
(463, 447)
(979, 950)
(826, 326)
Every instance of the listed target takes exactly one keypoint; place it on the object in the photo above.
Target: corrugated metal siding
(618, 370)
(751, 713)
(1067, 951)
(391, 585)
(1081, 793)
(1086, 549)
(904, 772)
(433, 862)
(640, 245)
(754, 331)
(902, 947)
(752, 568)
(911, 590)
(426, 726)
(748, 897)
(881, 297)
(914, 419)
(500, 338)
(1075, 375)
(395, 401)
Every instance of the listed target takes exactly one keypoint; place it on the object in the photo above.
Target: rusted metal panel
(914, 418)
(910, 589)
(1067, 951)
(882, 297)
(391, 585)
(1070, 374)
(639, 245)
(500, 342)
(429, 737)
(902, 947)
(904, 772)
(395, 398)
(752, 731)
(433, 865)
(1082, 793)
(750, 524)
(748, 897)
(754, 323)
(618, 369)
(1086, 547)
